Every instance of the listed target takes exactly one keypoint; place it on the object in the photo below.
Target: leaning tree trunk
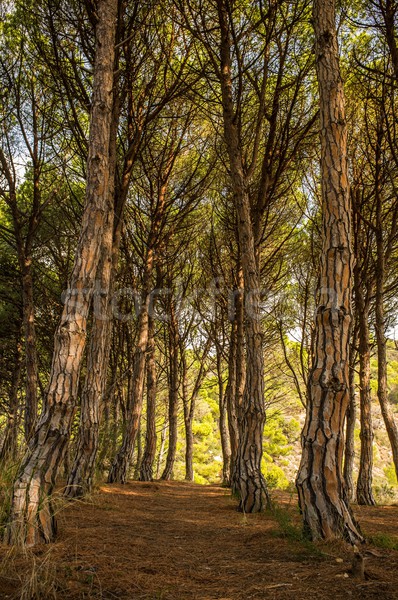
(249, 481)
(380, 326)
(32, 516)
(148, 459)
(320, 482)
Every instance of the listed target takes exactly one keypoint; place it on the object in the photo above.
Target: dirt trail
(178, 541)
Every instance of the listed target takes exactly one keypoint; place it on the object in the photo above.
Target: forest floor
(180, 541)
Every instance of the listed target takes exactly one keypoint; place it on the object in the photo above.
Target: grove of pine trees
(199, 251)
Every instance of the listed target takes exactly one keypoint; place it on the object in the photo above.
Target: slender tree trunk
(173, 396)
(32, 517)
(351, 415)
(230, 395)
(249, 481)
(382, 389)
(240, 374)
(30, 347)
(138, 453)
(188, 418)
(320, 482)
(120, 467)
(10, 442)
(148, 459)
(364, 482)
(163, 437)
(223, 426)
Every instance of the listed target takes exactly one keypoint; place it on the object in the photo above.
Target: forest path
(180, 541)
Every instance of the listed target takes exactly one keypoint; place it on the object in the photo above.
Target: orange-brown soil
(179, 541)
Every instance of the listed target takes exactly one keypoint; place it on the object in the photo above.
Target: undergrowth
(383, 540)
(291, 532)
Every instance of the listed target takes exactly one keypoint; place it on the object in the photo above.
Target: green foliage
(383, 540)
(391, 475)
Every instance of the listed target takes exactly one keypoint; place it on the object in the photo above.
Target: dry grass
(178, 541)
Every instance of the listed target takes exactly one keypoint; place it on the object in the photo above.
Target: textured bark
(148, 459)
(32, 517)
(173, 396)
(81, 476)
(320, 482)
(364, 482)
(248, 481)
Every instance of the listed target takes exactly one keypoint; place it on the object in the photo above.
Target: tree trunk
(138, 453)
(223, 426)
(120, 468)
(230, 395)
(163, 437)
(146, 471)
(81, 477)
(320, 482)
(364, 482)
(30, 348)
(382, 390)
(173, 396)
(249, 481)
(10, 442)
(32, 516)
(188, 418)
(351, 415)
(240, 371)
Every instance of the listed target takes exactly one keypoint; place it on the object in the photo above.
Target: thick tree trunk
(248, 481)
(148, 459)
(32, 517)
(364, 482)
(320, 482)
(81, 476)
(173, 396)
